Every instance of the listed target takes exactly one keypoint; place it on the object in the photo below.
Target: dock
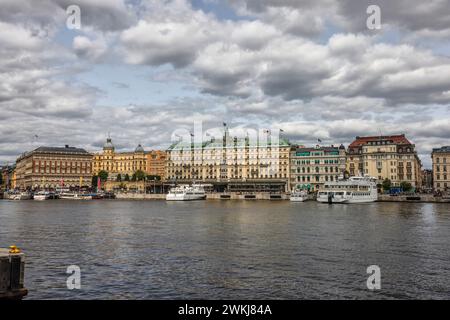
(12, 270)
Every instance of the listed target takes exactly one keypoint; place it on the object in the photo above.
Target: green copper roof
(230, 143)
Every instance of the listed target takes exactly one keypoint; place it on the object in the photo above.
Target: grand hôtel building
(231, 164)
(52, 167)
(385, 157)
(127, 163)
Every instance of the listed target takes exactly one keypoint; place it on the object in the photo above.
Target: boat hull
(75, 197)
(298, 198)
(41, 197)
(184, 197)
(346, 200)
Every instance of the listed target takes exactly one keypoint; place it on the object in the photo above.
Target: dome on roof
(341, 146)
(108, 145)
(139, 148)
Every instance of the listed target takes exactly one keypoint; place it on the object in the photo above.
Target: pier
(12, 268)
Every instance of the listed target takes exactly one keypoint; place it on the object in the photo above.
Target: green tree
(127, 177)
(103, 175)
(386, 184)
(119, 178)
(406, 186)
(94, 181)
(140, 175)
(133, 177)
(1, 178)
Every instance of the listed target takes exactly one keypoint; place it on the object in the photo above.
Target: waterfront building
(312, 167)
(441, 168)
(156, 163)
(257, 164)
(51, 167)
(385, 157)
(119, 163)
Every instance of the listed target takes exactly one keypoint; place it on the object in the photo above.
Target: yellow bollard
(14, 249)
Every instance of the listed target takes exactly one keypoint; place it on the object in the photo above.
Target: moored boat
(24, 195)
(75, 196)
(186, 193)
(300, 196)
(44, 195)
(353, 190)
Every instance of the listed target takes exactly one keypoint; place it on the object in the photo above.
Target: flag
(319, 140)
(281, 130)
(224, 124)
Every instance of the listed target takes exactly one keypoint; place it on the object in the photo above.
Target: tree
(1, 178)
(152, 177)
(386, 184)
(133, 177)
(94, 181)
(139, 175)
(103, 175)
(406, 186)
(119, 178)
(127, 177)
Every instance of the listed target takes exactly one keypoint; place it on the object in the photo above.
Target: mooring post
(12, 268)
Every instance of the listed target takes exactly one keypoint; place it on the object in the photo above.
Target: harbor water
(230, 249)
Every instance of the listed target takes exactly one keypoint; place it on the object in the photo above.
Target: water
(230, 249)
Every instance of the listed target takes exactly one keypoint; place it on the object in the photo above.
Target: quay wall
(414, 198)
(209, 196)
(267, 196)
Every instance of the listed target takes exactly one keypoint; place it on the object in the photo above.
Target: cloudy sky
(143, 70)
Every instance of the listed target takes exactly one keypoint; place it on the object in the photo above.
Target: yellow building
(8, 174)
(231, 164)
(385, 157)
(115, 163)
(441, 168)
(51, 167)
(311, 168)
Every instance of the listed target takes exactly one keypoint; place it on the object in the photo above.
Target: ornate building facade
(385, 157)
(51, 167)
(441, 168)
(312, 167)
(115, 163)
(127, 163)
(233, 164)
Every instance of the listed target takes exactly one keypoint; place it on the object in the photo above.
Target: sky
(145, 71)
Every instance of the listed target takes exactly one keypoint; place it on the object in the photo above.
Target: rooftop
(56, 150)
(444, 149)
(231, 143)
(393, 139)
(324, 148)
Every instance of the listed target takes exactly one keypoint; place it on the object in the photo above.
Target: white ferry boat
(74, 196)
(24, 195)
(44, 195)
(300, 196)
(353, 190)
(186, 193)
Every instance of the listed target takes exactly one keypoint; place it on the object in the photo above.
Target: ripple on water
(230, 249)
